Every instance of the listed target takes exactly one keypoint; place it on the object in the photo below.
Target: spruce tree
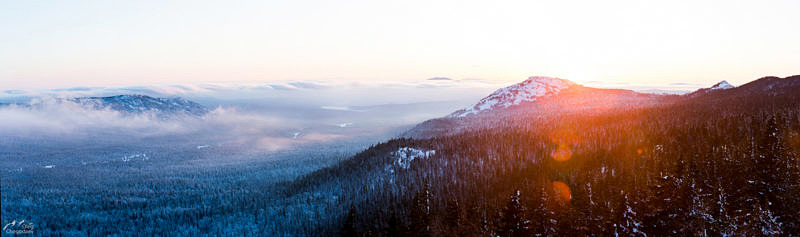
(514, 222)
(775, 173)
(420, 216)
(349, 226)
(453, 218)
(396, 227)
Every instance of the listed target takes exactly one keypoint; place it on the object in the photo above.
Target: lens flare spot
(562, 190)
(562, 153)
(639, 151)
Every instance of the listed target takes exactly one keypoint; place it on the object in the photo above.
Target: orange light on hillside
(562, 153)
(565, 134)
(564, 137)
(562, 190)
(639, 151)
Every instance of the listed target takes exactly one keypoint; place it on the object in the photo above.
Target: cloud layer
(52, 120)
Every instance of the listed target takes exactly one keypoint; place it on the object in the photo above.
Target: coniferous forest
(588, 162)
(716, 164)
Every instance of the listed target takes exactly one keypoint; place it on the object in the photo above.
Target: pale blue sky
(48, 44)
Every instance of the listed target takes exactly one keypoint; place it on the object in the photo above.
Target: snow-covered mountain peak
(722, 86)
(529, 90)
(548, 81)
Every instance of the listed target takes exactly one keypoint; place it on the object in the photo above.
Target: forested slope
(721, 163)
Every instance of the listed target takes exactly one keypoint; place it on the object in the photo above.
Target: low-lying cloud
(331, 91)
(55, 119)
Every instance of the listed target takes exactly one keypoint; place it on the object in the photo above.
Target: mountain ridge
(500, 107)
(138, 104)
(129, 104)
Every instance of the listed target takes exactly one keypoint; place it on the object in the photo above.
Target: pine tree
(770, 163)
(514, 222)
(776, 174)
(669, 206)
(396, 227)
(420, 216)
(632, 225)
(767, 222)
(349, 227)
(453, 217)
(541, 215)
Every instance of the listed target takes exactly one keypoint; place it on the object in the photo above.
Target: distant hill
(130, 105)
(723, 85)
(138, 104)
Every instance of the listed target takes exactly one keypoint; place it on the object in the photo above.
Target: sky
(56, 44)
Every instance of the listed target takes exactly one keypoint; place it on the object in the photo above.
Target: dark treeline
(697, 166)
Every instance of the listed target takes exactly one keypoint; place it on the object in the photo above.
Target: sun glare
(562, 153)
(563, 137)
(562, 190)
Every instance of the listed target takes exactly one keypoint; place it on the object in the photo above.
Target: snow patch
(405, 155)
(135, 157)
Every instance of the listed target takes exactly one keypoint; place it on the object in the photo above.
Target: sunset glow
(64, 44)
